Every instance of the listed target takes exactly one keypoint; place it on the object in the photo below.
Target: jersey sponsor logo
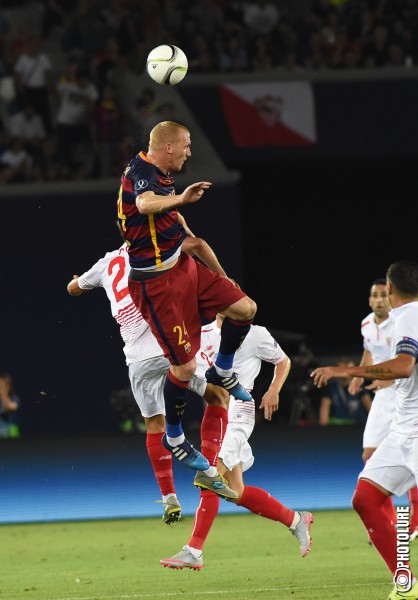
(141, 184)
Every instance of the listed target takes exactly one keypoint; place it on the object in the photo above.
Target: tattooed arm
(400, 367)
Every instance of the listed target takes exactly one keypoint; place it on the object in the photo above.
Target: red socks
(261, 503)
(212, 432)
(372, 507)
(204, 518)
(161, 460)
(413, 503)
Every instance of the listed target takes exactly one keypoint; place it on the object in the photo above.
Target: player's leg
(413, 503)
(147, 383)
(212, 432)
(233, 332)
(169, 304)
(387, 472)
(219, 295)
(261, 502)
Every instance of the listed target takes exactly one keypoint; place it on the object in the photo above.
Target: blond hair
(164, 133)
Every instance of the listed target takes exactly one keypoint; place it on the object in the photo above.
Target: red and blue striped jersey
(152, 239)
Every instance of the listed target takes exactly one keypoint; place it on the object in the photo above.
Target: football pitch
(246, 557)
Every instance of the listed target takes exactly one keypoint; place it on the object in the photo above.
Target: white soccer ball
(167, 64)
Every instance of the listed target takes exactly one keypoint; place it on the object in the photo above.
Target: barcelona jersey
(152, 239)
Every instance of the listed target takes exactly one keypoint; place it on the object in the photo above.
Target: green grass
(246, 557)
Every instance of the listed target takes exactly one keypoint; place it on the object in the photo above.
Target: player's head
(402, 279)
(379, 299)
(169, 146)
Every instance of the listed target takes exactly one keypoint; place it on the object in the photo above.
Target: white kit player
(236, 454)
(377, 330)
(392, 468)
(148, 366)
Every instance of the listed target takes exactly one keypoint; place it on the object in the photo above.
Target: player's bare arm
(73, 288)
(149, 203)
(357, 382)
(270, 400)
(400, 367)
(198, 247)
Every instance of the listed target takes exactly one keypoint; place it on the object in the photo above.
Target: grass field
(246, 557)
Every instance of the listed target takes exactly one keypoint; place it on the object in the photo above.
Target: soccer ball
(167, 64)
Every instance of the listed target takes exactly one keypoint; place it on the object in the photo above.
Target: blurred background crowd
(70, 105)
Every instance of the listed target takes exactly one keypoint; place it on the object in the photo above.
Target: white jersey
(111, 273)
(259, 345)
(405, 420)
(378, 340)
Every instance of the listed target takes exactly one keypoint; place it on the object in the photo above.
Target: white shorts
(235, 448)
(392, 464)
(147, 379)
(379, 418)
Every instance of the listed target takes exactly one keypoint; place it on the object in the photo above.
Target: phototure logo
(402, 578)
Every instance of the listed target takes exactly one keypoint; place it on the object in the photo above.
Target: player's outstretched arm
(73, 288)
(149, 203)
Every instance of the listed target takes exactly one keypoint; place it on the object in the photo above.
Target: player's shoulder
(259, 334)
(369, 320)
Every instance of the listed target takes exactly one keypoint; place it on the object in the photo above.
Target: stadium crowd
(68, 106)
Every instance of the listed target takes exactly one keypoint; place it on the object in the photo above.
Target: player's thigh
(235, 449)
(147, 382)
(378, 424)
(216, 293)
(169, 304)
(392, 464)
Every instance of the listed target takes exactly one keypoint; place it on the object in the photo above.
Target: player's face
(180, 152)
(379, 301)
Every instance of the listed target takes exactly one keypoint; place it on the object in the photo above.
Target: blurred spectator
(86, 32)
(172, 14)
(233, 56)
(299, 400)
(47, 166)
(74, 143)
(107, 129)
(125, 84)
(208, 17)
(145, 107)
(376, 51)
(338, 406)
(15, 163)
(103, 62)
(55, 15)
(33, 78)
(260, 17)
(9, 405)
(261, 56)
(28, 126)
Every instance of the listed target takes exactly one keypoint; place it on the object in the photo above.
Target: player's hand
(378, 384)
(270, 403)
(194, 192)
(355, 385)
(322, 375)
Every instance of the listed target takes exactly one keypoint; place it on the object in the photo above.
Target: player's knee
(184, 372)
(216, 396)
(359, 501)
(251, 309)
(155, 424)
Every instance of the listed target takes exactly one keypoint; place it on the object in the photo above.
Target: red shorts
(177, 302)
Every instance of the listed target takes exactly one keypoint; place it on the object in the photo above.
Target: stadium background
(304, 232)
